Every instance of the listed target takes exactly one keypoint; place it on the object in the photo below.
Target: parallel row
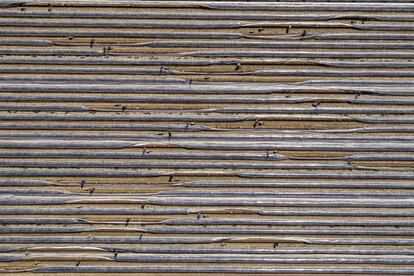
(198, 137)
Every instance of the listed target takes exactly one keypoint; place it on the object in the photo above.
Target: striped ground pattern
(207, 137)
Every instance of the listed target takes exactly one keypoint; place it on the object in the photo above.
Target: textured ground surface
(196, 136)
